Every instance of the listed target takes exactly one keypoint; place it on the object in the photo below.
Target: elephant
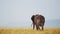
(38, 21)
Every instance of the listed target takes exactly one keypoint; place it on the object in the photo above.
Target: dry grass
(29, 31)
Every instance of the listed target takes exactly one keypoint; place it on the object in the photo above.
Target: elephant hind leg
(42, 28)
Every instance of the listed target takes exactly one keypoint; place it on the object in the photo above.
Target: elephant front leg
(37, 27)
(33, 26)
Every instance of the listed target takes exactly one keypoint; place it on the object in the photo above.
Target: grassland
(29, 31)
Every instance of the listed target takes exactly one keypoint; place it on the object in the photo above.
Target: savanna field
(29, 31)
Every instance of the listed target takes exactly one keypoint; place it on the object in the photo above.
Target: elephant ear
(43, 18)
(32, 18)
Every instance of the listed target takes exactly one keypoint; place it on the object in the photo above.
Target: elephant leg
(37, 27)
(42, 27)
(33, 26)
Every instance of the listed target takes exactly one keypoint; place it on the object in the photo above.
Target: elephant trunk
(37, 24)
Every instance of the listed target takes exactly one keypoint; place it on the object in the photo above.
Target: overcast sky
(20, 11)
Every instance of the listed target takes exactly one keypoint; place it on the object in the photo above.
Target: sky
(17, 13)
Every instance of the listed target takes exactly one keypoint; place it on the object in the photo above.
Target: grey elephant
(38, 21)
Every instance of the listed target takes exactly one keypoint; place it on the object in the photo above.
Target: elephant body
(38, 20)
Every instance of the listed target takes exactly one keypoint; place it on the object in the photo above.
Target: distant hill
(53, 23)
